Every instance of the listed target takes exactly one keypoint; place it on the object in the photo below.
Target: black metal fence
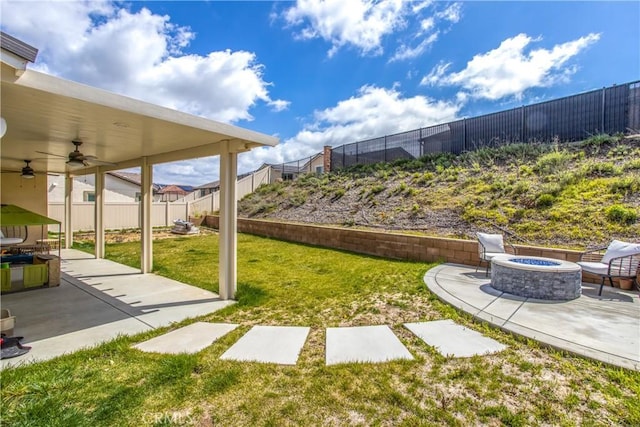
(608, 110)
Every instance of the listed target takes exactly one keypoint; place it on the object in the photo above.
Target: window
(287, 177)
(138, 196)
(318, 170)
(89, 196)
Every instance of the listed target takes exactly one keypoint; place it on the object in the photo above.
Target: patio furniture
(620, 260)
(12, 235)
(490, 245)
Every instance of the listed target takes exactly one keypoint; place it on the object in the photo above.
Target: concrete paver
(372, 344)
(189, 339)
(451, 339)
(605, 328)
(269, 344)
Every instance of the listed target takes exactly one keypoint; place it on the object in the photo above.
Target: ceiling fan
(76, 159)
(27, 171)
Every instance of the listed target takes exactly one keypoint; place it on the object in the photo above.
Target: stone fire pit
(536, 277)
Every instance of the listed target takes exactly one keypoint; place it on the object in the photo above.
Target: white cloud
(427, 24)
(509, 70)
(430, 29)
(406, 52)
(361, 23)
(140, 55)
(190, 172)
(452, 13)
(436, 75)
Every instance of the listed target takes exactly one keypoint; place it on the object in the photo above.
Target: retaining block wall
(381, 243)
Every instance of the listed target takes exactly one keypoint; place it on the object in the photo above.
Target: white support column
(99, 213)
(228, 225)
(146, 231)
(68, 202)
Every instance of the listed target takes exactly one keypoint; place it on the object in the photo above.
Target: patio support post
(146, 232)
(68, 202)
(228, 226)
(99, 214)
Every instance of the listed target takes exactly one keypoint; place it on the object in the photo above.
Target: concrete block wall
(382, 243)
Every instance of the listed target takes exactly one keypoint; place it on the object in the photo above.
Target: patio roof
(45, 113)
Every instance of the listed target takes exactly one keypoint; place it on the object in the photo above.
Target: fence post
(385, 148)
(522, 127)
(603, 101)
(356, 152)
(464, 134)
(166, 214)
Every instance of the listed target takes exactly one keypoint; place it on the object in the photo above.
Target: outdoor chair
(490, 245)
(620, 260)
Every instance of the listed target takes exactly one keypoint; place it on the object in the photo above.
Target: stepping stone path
(365, 344)
(190, 339)
(269, 344)
(451, 339)
(372, 344)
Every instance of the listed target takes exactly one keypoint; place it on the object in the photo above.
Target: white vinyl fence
(119, 215)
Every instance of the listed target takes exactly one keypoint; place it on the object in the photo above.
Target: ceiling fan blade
(94, 161)
(51, 154)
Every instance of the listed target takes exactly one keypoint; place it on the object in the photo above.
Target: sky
(316, 73)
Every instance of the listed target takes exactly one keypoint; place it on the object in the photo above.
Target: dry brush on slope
(573, 194)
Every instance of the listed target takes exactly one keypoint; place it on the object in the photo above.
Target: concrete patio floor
(604, 328)
(97, 300)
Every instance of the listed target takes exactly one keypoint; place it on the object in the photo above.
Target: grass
(291, 284)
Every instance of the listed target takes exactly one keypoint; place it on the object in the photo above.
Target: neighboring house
(291, 170)
(212, 187)
(315, 164)
(119, 187)
(171, 193)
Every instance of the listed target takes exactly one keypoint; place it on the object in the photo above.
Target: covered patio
(97, 300)
(42, 115)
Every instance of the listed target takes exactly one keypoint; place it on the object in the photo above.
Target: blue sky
(328, 73)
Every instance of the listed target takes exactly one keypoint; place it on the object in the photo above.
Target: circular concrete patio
(604, 328)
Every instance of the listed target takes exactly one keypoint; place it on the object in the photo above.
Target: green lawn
(291, 284)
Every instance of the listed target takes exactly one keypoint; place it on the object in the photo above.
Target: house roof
(45, 113)
(132, 177)
(173, 189)
(216, 184)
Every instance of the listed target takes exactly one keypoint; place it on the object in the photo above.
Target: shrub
(298, 198)
(633, 164)
(337, 194)
(553, 162)
(625, 186)
(596, 141)
(545, 200)
(621, 214)
(601, 169)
